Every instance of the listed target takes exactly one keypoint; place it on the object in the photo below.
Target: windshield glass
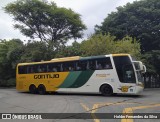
(124, 69)
(128, 74)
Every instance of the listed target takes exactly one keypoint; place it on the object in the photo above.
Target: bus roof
(73, 58)
(54, 60)
(121, 54)
(66, 58)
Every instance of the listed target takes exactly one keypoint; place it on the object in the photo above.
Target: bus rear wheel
(106, 90)
(32, 89)
(41, 89)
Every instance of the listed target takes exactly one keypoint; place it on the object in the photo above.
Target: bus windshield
(124, 69)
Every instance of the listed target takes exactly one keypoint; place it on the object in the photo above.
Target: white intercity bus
(104, 74)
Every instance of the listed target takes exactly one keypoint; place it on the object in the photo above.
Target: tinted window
(124, 69)
(22, 70)
(90, 64)
(95, 64)
(40, 68)
(68, 66)
(103, 63)
(54, 67)
(83, 65)
(31, 69)
(86, 65)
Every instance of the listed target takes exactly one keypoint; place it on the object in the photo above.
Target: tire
(32, 89)
(41, 89)
(106, 90)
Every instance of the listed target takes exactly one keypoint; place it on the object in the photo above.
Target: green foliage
(106, 44)
(10, 54)
(98, 45)
(152, 61)
(46, 21)
(128, 45)
(73, 50)
(13, 52)
(35, 51)
(8, 83)
(139, 20)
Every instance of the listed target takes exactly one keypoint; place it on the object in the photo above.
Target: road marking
(130, 110)
(149, 106)
(95, 108)
(84, 106)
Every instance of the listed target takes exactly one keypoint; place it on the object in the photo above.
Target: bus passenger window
(83, 65)
(107, 66)
(68, 66)
(77, 66)
(30, 69)
(48, 68)
(39, 69)
(91, 65)
(21, 69)
(99, 66)
(103, 63)
(54, 69)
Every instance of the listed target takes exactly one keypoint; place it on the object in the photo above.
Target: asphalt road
(12, 101)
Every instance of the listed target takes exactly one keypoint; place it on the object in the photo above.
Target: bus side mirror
(139, 66)
(144, 69)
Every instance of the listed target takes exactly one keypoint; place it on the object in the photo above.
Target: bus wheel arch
(32, 89)
(41, 89)
(106, 90)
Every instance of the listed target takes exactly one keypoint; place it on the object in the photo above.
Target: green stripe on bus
(82, 79)
(71, 78)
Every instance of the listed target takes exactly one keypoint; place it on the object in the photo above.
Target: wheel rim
(41, 90)
(32, 89)
(107, 91)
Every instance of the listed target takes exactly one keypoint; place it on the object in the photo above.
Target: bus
(103, 74)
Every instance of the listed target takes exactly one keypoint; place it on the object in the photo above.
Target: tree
(139, 20)
(106, 44)
(35, 52)
(10, 54)
(14, 51)
(46, 21)
(71, 50)
(152, 61)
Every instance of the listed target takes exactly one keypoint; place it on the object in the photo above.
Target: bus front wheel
(32, 89)
(41, 89)
(106, 90)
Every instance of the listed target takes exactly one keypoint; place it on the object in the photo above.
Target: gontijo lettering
(46, 76)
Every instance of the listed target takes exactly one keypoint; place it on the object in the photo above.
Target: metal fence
(151, 80)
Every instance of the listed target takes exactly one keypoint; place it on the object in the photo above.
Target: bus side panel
(93, 83)
(50, 80)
